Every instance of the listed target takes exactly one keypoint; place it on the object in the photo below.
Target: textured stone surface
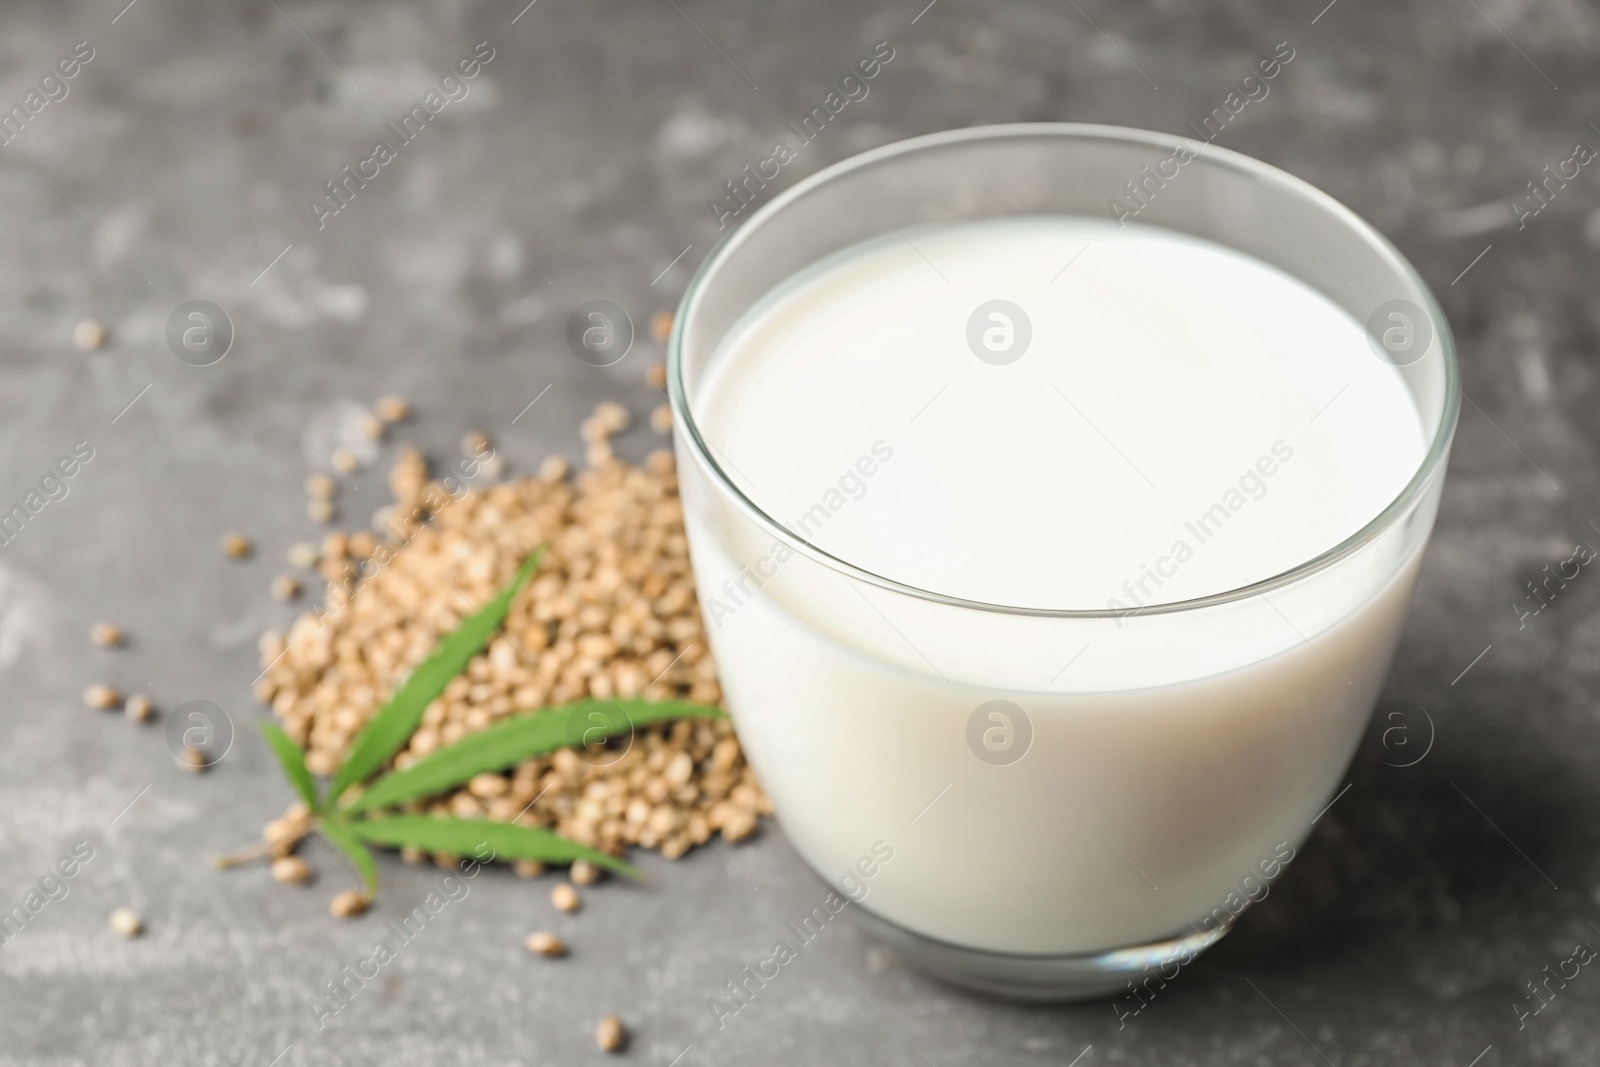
(181, 163)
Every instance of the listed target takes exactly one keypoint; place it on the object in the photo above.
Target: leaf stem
(259, 850)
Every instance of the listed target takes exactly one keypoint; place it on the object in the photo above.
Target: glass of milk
(1055, 494)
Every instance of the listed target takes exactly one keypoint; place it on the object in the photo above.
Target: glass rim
(1248, 166)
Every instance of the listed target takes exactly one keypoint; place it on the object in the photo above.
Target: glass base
(1040, 979)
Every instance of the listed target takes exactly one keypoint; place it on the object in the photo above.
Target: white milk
(1184, 421)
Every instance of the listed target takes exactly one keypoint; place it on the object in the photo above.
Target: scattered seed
(321, 486)
(126, 922)
(271, 644)
(554, 468)
(488, 786)
(303, 554)
(528, 868)
(661, 327)
(285, 587)
(372, 427)
(107, 634)
(102, 697)
(392, 409)
(541, 943)
(739, 824)
(584, 873)
(139, 708)
(237, 545)
(661, 419)
(349, 904)
(610, 1034)
(282, 835)
(678, 770)
(475, 443)
(90, 334)
(320, 510)
(345, 461)
(657, 375)
(564, 897)
(194, 759)
(612, 417)
(299, 816)
(291, 870)
(413, 855)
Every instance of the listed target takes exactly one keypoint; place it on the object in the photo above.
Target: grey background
(182, 163)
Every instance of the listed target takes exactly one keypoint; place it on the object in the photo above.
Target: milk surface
(1161, 370)
(1183, 421)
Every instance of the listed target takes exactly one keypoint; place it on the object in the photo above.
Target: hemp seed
(90, 334)
(345, 461)
(612, 416)
(583, 873)
(298, 815)
(541, 943)
(725, 755)
(564, 897)
(102, 698)
(282, 836)
(661, 327)
(610, 1035)
(126, 922)
(237, 545)
(361, 544)
(661, 419)
(194, 759)
(107, 634)
(285, 587)
(349, 904)
(392, 409)
(291, 870)
(739, 823)
(303, 554)
(488, 786)
(139, 708)
(320, 486)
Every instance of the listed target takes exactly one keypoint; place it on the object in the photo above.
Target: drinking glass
(1068, 799)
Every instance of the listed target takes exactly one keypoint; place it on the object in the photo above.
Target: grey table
(582, 163)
